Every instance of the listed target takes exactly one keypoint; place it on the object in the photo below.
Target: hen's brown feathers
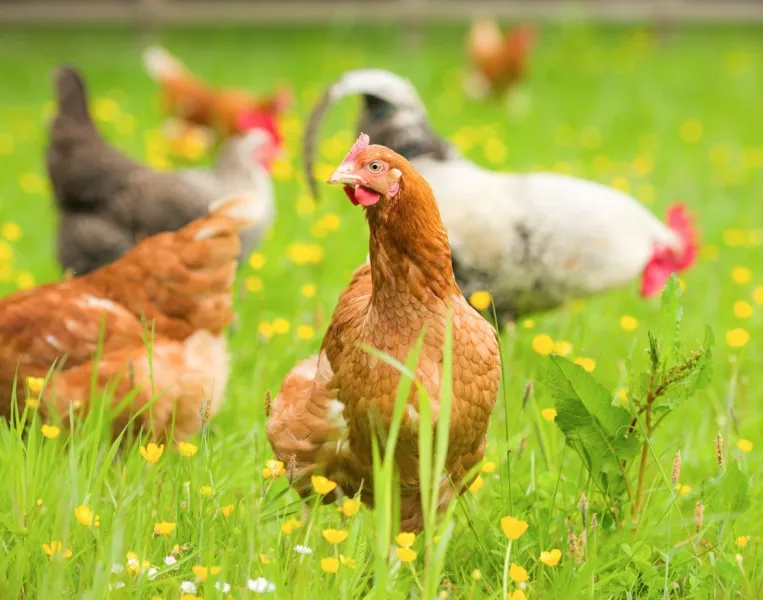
(173, 290)
(322, 418)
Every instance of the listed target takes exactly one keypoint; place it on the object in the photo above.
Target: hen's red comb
(360, 144)
(260, 120)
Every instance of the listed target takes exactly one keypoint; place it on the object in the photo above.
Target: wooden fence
(62, 12)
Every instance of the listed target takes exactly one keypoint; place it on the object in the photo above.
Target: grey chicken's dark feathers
(106, 200)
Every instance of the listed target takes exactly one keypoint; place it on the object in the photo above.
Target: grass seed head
(719, 450)
(675, 475)
(699, 515)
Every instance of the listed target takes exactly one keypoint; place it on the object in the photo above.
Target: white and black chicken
(534, 240)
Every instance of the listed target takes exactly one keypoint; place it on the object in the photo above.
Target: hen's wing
(171, 388)
(306, 426)
(58, 324)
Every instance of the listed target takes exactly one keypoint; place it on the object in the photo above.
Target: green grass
(607, 104)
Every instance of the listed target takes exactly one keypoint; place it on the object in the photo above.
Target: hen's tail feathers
(161, 65)
(71, 94)
(681, 223)
(382, 85)
(242, 207)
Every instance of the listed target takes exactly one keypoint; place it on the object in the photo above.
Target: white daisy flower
(222, 586)
(151, 572)
(260, 585)
(116, 585)
(187, 587)
(170, 560)
(299, 548)
(117, 568)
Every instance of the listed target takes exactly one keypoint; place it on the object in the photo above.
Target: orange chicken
(499, 60)
(320, 420)
(226, 111)
(160, 313)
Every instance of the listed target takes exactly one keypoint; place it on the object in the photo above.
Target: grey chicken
(107, 202)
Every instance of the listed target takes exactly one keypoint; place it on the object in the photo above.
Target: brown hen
(499, 60)
(172, 290)
(321, 421)
(187, 97)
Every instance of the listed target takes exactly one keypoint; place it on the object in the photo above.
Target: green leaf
(591, 424)
(734, 498)
(692, 375)
(671, 312)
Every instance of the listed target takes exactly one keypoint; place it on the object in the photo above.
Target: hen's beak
(345, 175)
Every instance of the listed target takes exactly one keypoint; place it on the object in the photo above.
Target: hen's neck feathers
(409, 249)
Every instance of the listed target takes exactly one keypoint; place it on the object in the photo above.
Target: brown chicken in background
(498, 60)
(320, 420)
(185, 96)
(174, 289)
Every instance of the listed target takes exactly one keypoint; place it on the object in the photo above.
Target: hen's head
(262, 129)
(371, 174)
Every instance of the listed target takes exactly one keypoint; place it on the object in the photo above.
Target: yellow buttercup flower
(273, 470)
(187, 449)
(517, 595)
(548, 413)
(253, 284)
(56, 547)
(488, 466)
(308, 290)
(477, 484)
(86, 516)
(152, 452)
(683, 490)
(528, 323)
(265, 559)
(51, 431)
(628, 323)
(281, 326)
(480, 300)
(737, 338)
(164, 528)
(25, 280)
(543, 344)
(288, 526)
(513, 528)
(745, 445)
(588, 364)
(207, 490)
(742, 540)
(742, 309)
(406, 555)
(551, 558)
(562, 348)
(304, 254)
(335, 536)
(35, 384)
(257, 260)
(203, 572)
(741, 275)
(322, 485)
(329, 565)
(305, 332)
(265, 330)
(227, 510)
(518, 574)
(350, 507)
(405, 539)
(347, 561)
(757, 295)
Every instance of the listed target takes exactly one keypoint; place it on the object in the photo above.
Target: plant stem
(506, 570)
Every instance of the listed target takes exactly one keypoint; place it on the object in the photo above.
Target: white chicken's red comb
(360, 144)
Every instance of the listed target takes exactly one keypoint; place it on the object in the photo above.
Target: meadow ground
(669, 116)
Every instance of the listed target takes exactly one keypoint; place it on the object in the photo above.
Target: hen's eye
(374, 166)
